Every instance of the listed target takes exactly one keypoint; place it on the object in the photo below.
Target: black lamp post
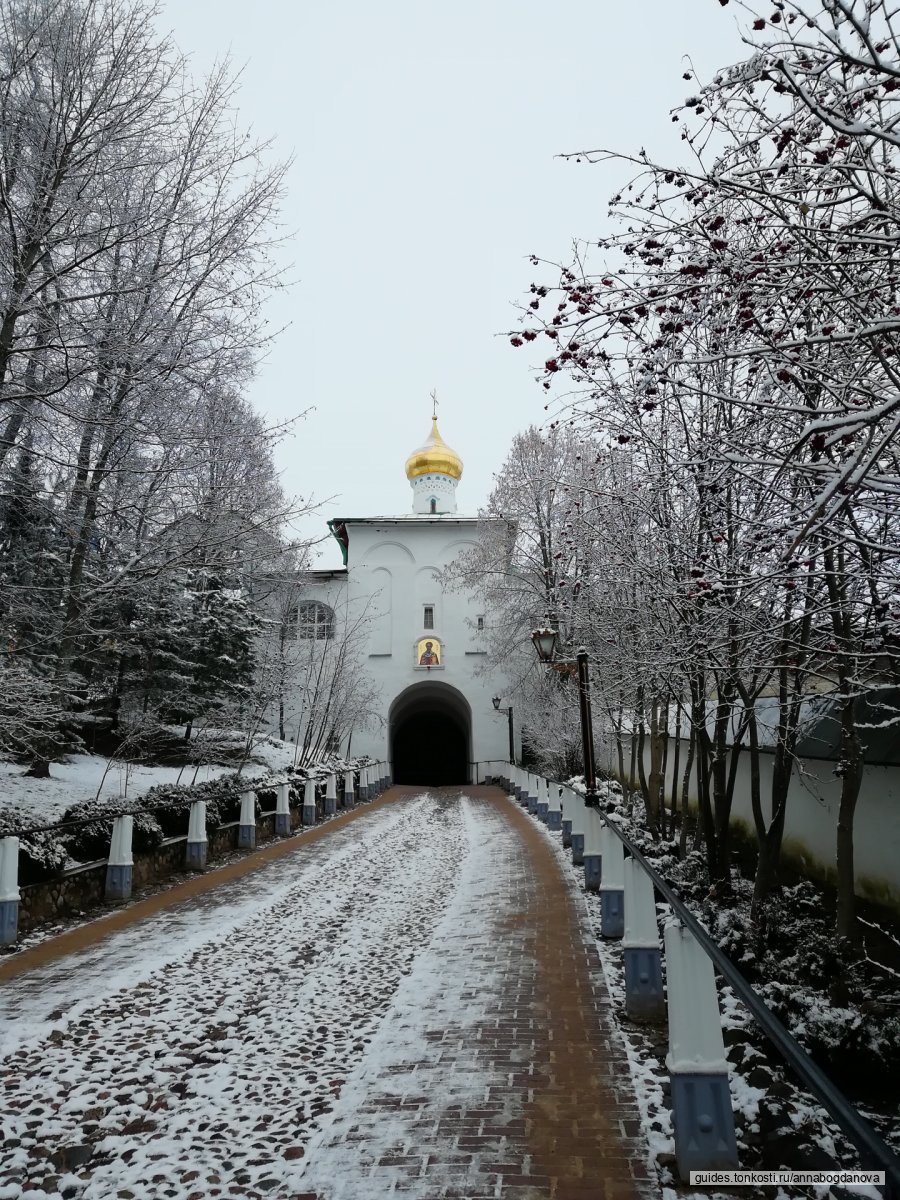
(544, 642)
(495, 700)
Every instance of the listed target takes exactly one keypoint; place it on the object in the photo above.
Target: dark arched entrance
(431, 732)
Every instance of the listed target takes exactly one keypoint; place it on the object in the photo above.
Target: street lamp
(495, 700)
(544, 642)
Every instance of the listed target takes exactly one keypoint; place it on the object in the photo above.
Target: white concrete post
(283, 810)
(567, 804)
(330, 795)
(247, 823)
(195, 854)
(543, 800)
(532, 793)
(9, 890)
(579, 829)
(701, 1102)
(593, 849)
(554, 810)
(519, 783)
(644, 999)
(309, 802)
(120, 864)
(349, 792)
(612, 885)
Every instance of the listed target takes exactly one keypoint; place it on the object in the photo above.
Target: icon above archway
(429, 652)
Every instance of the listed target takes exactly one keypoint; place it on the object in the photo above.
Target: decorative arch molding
(448, 553)
(431, 689)
(405, 552)
(430, 571)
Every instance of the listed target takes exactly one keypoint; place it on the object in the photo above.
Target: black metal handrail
(868, 1142)
(874, 1151)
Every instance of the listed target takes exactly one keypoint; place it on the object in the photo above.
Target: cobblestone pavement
(407, 1006)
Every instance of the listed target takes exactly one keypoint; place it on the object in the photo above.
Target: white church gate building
(422, 644)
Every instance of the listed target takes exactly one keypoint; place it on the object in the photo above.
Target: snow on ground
(83, 776)
(404, 1054)
(201, 1052)
(45, 800)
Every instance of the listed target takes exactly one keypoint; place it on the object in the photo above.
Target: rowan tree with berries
(737, 343)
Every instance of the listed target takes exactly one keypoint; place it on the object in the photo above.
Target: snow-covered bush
(87, 842)
(850, 1043)
(41, 855)
(170, 803)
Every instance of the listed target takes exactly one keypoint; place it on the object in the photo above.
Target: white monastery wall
(811, 815)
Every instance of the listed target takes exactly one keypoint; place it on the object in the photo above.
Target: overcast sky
(424, 138)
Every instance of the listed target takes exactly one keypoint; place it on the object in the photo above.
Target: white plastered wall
(413, 551)
(811, 815)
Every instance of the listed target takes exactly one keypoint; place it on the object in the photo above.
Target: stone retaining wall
(67, 895)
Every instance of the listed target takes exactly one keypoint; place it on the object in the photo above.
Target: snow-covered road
(226, 1046)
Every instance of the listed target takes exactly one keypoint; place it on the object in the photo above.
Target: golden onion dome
(434, 458)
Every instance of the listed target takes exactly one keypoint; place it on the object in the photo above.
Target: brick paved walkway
(524, 1010)
(409, 1005)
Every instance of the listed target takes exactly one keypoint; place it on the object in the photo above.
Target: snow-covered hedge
(87, 842)
(41, 855)
(84, 832)
(170, 803)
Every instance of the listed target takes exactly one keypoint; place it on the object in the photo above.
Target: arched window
(433, 505)
(314, 620)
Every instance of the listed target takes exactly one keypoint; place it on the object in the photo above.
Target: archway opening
(431, 728)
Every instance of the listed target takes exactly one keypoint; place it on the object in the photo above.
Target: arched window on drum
(314, 621)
